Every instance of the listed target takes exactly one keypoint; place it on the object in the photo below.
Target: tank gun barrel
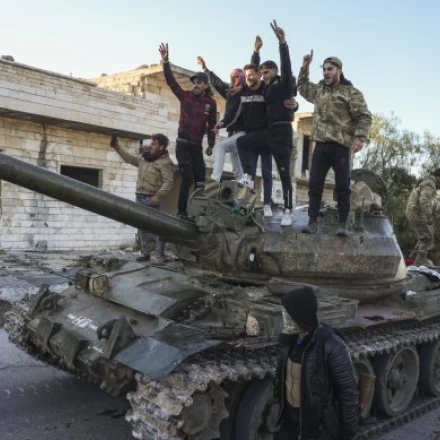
(82, 195)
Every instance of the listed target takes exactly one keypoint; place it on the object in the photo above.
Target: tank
(192, 344)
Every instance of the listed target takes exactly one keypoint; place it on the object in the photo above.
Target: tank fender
(159, 355)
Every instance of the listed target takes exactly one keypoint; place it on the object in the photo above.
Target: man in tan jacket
(341, 122)
(155, 179)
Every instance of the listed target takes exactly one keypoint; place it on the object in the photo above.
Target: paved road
(38, 402)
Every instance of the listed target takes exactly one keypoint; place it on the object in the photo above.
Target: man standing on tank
(253, 143)
(155, 179)
(341, 122)
(316, 384)
(419, 214)
(232, 121)
(198, 113)
(278, 87)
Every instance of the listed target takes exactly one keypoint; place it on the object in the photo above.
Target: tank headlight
(252, 326)
(98, 284)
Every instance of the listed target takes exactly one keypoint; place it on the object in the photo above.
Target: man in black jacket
(279, 86)
(232, 121)
(316, 382)
(253, 144)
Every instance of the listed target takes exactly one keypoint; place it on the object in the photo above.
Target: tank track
(387, 338)
(158, 408)
(15, 326)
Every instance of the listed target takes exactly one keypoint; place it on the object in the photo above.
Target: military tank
(193, 343)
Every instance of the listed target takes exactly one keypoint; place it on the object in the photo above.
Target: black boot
(342, 230)
(312, 226)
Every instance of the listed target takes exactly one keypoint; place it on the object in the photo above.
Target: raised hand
(202, 63)
(258, 44)
(163, 49)
(308, 59)
(357, 145)
(114, 141)
(278, 32)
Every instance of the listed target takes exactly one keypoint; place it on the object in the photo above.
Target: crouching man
(316, 383)
(155, 179)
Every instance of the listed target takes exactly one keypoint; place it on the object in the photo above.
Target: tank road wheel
(202, 419)
(235, 391)
(430, 368)
(363, 367)
(396, 380)
(254, 410)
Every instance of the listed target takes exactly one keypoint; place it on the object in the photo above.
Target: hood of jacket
(302, 306)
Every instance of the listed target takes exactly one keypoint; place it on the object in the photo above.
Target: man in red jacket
(198, 113)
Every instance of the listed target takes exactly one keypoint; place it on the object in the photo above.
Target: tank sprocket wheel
(254, 411)
(396, 380)
(430, 368)
(235, 392)
(203, 418)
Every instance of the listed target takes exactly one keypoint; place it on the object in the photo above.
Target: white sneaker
(267, 211)
(287, 218)
(244, 180)
(250, 184)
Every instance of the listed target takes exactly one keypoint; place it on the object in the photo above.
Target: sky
(390, 49)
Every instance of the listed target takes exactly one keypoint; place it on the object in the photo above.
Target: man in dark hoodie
(198, 116)
(316, 383)
(232, 121)
(155, 179)
(280, 85)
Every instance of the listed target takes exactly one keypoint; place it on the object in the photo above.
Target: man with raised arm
(232, 121)
(198, 112)
(280, 85)
(155, 179)
(341, 122)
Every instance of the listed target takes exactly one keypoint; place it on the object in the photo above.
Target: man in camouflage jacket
(341, 122)
(419, 214)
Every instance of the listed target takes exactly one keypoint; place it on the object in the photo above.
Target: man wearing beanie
(341, 122)
(198, 116)
(316, 383)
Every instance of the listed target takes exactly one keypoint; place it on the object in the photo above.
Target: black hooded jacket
(329, 393)
(282, 87)
(233, 120)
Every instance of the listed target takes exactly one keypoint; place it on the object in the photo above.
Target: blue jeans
(146, 237)
(250, 146)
